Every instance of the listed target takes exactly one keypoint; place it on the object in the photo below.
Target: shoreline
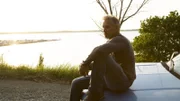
(62, 31)
(25, 41)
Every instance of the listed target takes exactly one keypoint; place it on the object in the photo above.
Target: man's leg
(106, 74)
(97, 84)
(115, 78)
(78, 84)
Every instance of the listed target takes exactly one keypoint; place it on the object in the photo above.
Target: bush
(159, 38)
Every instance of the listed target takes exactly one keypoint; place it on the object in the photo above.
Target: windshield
(176, 64)
(173, 65)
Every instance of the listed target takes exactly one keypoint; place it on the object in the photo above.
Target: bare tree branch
(103, 7)
(94, 1)
(100, 28)
(116, 11)
(125, 12)
(121, 9)
(110, 7)
(115, 8)
(143, 3)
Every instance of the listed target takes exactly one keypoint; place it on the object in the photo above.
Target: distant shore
(25, 41)
(63, 31)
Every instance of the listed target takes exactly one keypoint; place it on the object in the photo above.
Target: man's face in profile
(110, 29)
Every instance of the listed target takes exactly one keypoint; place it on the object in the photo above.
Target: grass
(62, 73)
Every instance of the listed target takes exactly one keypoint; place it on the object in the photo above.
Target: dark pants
(106, 75)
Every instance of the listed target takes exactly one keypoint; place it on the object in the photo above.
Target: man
(112, 65)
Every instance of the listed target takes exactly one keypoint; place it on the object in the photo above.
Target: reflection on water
(72, 48)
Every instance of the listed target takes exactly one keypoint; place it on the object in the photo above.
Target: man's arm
(114, 45)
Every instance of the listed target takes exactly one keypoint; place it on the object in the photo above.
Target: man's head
(111, 26)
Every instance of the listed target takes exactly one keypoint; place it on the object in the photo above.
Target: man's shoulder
(119, 38)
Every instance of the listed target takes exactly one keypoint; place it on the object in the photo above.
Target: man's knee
(75, 82)
(80, 81)
(103, 58)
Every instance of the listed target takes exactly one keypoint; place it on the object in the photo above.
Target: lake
(73, 48)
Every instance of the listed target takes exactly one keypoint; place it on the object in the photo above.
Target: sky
(56, 15)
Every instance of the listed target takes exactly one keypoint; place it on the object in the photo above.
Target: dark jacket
(123, 53)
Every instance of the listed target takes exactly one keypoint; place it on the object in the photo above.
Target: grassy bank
(41, 73)
(62, 73)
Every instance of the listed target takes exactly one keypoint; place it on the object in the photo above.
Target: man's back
(125, 56)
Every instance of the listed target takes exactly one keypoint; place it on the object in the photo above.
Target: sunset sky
(55, 15)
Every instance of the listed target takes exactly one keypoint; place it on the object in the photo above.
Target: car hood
(153, 83)
(154, 76)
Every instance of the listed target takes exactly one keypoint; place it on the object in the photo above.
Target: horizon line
(62, 31)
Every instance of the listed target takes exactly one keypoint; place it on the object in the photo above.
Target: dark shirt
(122, 51)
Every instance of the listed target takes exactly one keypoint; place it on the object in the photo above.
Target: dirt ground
(18, 90)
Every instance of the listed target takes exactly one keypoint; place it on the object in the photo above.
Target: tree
(119, 9)
(159, 38)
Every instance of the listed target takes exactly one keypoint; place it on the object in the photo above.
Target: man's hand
(83, 69)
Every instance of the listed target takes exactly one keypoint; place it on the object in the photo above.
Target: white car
(154, 82)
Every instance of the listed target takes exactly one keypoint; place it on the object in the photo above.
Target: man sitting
(112, 65)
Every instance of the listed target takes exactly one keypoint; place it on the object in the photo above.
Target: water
(73, 48)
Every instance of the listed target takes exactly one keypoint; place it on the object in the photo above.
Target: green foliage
(40, 62)
(2, 59)
(159, 38)
(40, 73)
